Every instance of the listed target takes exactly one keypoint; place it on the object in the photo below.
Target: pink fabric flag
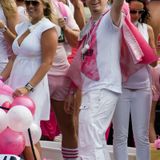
(135, 51)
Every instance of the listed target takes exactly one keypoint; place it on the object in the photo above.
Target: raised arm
(79, 13)
(116, 11)
(70, 28)
(70, 34)
(12, 18)
(152, 41)
(151, 37)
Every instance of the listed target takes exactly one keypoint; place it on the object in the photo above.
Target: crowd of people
(83, 74)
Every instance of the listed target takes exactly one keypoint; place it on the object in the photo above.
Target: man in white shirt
(100, 76)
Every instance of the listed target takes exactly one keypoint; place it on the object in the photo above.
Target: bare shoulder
(49, 33)
(149, 28)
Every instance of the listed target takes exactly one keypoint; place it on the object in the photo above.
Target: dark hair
(47, 10)
(146, 15)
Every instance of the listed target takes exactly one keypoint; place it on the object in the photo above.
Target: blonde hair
(49, 12)
(9, 7)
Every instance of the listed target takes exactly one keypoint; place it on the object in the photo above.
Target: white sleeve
(46, 24)
(71, 23)
(110, 23)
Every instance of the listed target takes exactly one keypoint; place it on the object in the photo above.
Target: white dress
(27, 63)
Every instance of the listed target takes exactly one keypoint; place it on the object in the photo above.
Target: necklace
(89, 40)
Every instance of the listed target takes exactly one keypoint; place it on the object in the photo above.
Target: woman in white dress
(34, 48)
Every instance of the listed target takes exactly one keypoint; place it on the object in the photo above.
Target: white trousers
(138, 103)
(95, 116)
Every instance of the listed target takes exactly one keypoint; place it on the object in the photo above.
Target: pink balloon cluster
(157, 143)
(11, 142)
(15, 123)
(5, 89)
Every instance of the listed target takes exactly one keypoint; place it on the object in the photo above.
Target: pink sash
(88, 59)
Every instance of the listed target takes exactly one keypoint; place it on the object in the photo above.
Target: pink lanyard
(90, 38)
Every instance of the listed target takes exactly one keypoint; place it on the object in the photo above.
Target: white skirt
(22, 72)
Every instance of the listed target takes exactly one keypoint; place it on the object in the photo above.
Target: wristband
(29, 87)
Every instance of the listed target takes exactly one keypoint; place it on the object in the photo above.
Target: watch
(29, 87)
(4, 29)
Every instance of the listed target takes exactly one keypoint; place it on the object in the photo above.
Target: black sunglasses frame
(33, 3)
(132, 11)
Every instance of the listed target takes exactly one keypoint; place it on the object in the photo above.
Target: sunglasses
(33, 3)
(137, 11)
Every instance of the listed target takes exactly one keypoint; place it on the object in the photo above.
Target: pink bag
(50, 128)
(147, 53)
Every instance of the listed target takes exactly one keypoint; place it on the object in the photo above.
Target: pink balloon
(5, 89)
(25, 101)
(19, 118)
(1, 83)
(6, 105)
(2, 91)
(11, 142)
(3, 120)
(4, 98)
(36, 134)
(157, 143)
(8, 89)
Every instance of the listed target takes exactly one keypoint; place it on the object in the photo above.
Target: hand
(69, 104)
(2, 25)
(20, 92)
(62, 23)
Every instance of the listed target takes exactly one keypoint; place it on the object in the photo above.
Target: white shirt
(108, 58)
